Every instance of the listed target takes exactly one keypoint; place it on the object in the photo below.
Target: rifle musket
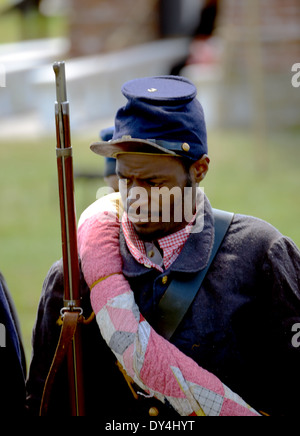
(60, 73)
(63, 310)
(64, 152)
(71, 312)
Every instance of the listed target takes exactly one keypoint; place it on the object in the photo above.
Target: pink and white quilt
(156, 365)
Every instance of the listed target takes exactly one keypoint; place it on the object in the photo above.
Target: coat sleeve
(282, 268)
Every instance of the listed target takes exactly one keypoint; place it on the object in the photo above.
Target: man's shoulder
(252, 231)
(55, 275)
(255, 222)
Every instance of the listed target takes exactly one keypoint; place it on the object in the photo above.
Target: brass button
(150, 253)
(185, 147)
(164, 280)
(153, 411)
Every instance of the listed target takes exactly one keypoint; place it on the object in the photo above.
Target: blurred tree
(30, 17)
(200, 30)
(23, 6)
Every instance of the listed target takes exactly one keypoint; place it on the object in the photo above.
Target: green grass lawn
(242, 178)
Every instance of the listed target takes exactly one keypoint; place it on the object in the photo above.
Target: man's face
(142, 178)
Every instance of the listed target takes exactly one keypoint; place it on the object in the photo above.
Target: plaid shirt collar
(171, 245)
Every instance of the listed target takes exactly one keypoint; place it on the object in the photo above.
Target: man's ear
(199, 169)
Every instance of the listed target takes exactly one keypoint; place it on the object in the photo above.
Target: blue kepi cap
(162, 116)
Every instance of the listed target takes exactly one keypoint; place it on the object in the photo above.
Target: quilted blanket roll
(156, 365)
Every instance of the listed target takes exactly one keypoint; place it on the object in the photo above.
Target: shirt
(171, 246)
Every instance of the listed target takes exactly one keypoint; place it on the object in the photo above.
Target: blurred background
(240, 55)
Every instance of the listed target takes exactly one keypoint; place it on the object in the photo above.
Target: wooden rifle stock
(72, 303)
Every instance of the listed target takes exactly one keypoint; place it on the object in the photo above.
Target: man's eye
(155, 183)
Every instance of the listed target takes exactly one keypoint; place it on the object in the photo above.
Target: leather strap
(180, 293)
(70, 322)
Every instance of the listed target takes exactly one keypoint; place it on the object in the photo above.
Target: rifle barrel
(66, 189)
(68, 235)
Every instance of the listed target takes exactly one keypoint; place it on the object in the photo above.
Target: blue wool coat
(12, 361)
(239, 327)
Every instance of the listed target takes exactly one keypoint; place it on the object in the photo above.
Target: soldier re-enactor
(12, 358)
(239, 326)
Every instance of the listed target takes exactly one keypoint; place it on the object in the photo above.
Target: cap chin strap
(169, 145)
(176, 148)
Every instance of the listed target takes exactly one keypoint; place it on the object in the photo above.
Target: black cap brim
(132, 145)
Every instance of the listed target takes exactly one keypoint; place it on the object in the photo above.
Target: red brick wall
(274, 23)
(262, 43)
(103, 25)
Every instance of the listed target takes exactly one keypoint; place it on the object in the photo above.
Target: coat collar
(195, 254)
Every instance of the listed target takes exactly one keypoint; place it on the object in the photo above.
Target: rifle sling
(180, 293)
(68, 329)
